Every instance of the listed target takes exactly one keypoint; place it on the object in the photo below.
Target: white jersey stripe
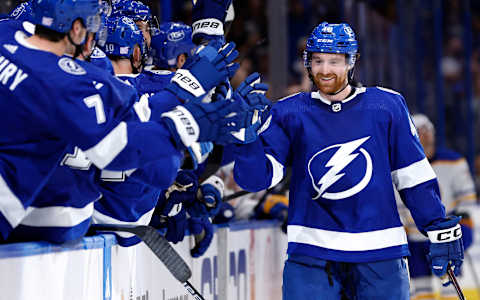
(12, 208)
(277, 169)
(413, 175)
(99, 218)
(109, 147)
(57, 216)
(347, 241)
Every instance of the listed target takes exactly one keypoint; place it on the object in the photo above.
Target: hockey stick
(162, 249)
(454, 281)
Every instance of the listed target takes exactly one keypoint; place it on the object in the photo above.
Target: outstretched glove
(446, 246)
(202, 229)
(204, 71)
(208, 17)
(205, 122)
(252, 92)
(209, 198)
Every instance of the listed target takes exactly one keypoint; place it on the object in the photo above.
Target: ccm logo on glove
(445, 235)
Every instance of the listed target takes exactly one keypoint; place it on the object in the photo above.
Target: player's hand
(206, 122)
(252, 93)
(202, 229)
(203, 71)
(209, 197)
(446, 245)
(208, 17)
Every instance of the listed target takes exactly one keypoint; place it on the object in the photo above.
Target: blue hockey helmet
(22, 12)
(169, 41)
(58, 15)
(135, 10)
(332, 38)
(123, 36)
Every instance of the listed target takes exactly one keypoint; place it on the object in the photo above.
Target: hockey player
(458, 195)
(346, 146)
(36, 134)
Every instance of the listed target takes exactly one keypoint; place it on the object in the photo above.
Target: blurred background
(429, 50)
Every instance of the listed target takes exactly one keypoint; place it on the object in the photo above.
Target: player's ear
(137, 56)
(78, 31)
(181, 60)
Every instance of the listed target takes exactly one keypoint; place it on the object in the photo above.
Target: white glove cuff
(188, 82)
(445, 235)
(208, 26)
(185, 124)
(217, 183)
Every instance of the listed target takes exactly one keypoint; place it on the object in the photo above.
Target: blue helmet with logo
(123, 36)
(332, 38)
(58, 15)
(135, 10)
(171, 40)
(22, 12)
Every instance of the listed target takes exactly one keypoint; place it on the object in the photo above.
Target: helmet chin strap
(78, 47)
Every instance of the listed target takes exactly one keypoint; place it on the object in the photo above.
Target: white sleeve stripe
(109, 147)
(100, 218)
(10, 206)
(277, 170)
(57, 216)
(413, 175)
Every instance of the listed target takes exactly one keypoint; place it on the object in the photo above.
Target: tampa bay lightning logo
(346, 154)
(70, 66)
(176, 36)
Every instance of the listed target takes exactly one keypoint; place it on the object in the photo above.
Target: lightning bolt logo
(341, 159)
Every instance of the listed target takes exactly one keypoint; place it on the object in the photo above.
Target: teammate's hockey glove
(253, 93)
(209, 197)
(204, 71)
(446, 245)
(208, 17)
(202, 229)
(206, 122)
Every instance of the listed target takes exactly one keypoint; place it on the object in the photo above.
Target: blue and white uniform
(344, 157)
(131, 197)
(53, 103)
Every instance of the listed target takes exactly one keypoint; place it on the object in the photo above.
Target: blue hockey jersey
(131, 197)
(344, 157)
(53, 102)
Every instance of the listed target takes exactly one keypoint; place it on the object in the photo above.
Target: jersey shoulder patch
(70, 66)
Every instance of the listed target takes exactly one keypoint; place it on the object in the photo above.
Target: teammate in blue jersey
(346, 145)
(82, 107)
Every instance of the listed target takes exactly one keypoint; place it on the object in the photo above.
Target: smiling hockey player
(346, 145)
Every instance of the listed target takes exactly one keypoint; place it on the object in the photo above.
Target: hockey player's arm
(261, 164)
(412, 174)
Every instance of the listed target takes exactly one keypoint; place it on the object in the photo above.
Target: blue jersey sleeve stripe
(12, 208)
(347, 241)
(109, 147)
(413, 175)
(277, 170)
(57, 216)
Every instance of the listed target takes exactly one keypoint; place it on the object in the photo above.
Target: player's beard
(331, 86)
